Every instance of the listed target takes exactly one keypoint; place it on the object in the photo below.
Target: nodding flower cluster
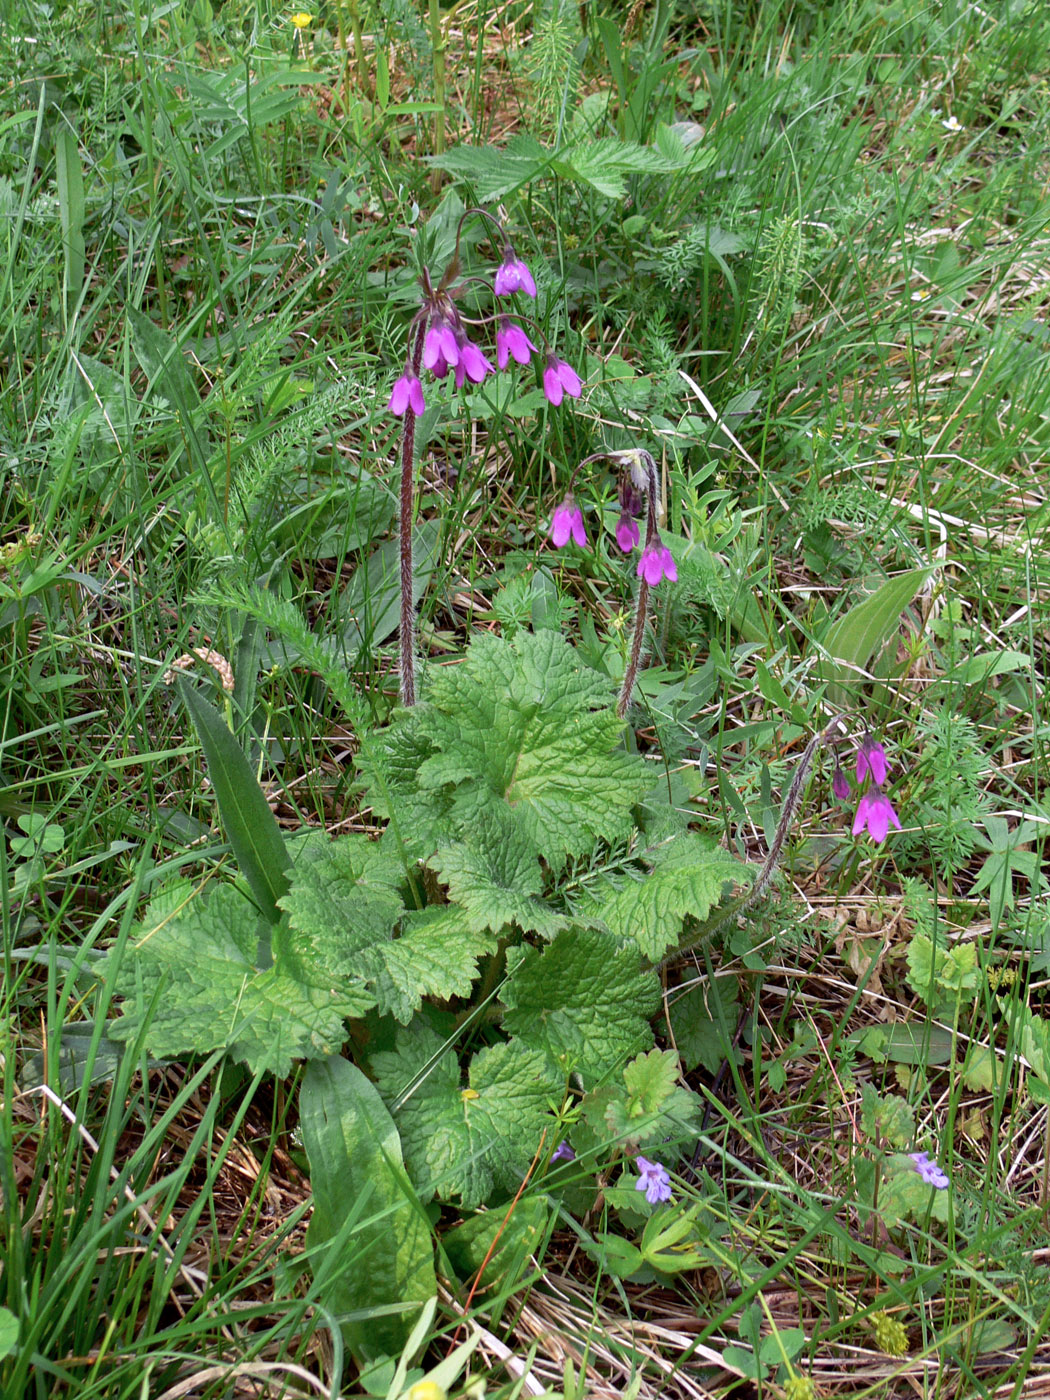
(439, 341)
(875, 812)
(638, 495)
(446, 344)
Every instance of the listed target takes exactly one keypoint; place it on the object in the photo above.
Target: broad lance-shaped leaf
(688, 878)
(467, 1141)
(584, 1001)
(377, 1250)
(192, 975)
(251, 827)
(494, 874)
(522, 725)
(344, 910)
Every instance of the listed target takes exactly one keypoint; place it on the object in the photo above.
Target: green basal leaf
(251, 827)
(494, 874)
(521, 729)
(193, 977)
(583, 1001)
(511, 1241)
(688, 878)
(345, 911)
(385, 1257)
(703, 1021)
(855, 640)
(467, 1141)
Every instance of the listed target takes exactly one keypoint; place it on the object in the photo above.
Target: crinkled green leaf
(356, 1170)
(466, 1141)
(343, 900)
(494, 875)
(495, 173)
(389, 770)
(688, 878)
(344, 910)
(502, 1245)
(886, 1117)
(523, 725)
(584, 1001)
(195, 958)
(436, 956)
(703, 1020)
(646, 1107)
(903, 1195)
(942, 976)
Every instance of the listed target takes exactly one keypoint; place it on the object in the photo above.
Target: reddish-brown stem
(407, 632)
(641, 616)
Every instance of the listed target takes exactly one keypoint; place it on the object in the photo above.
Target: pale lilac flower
(512, 340)
(656, 563)
(563, 1152)
(653, 1180)
(407, 393)
(440, 347)
(875, 811)
(472, 365)
(560, 379)
(568, 520)
(627, 533)
(840, 784)
(513, 276)
(871, 760)
(930, 1172)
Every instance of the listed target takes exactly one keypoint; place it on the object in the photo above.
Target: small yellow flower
(890, 1336)
(426, 1390)
(302, 20)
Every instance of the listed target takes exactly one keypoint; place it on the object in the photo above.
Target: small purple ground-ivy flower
(627, 533)
(871, 759)
(930, 1172)
(653, 1180)
(840, 784)
(407, 393)
(511, 340)
(568, 520)
(560, 379)
(513, 275)
(563, 1152)
(875, 812)
(655, 564)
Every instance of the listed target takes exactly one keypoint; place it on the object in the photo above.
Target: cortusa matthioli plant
(472, 990)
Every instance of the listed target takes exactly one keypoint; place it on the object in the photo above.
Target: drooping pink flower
(627, 533)
(512, 276)
(654, 1180)
(875, 812)
(473, 364)
(512, 340)
(568, 520)
(655, 564)
(440, 347)
(840, 784)
(560, 379)
(871, 759)
(407, 393)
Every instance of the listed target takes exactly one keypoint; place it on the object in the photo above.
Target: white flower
(952, 124)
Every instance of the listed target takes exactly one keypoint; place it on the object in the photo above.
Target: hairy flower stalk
(407, 630)
(651, 567)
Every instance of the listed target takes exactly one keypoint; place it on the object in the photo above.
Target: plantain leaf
(251, 827)
(854, 640)
(377, 1265)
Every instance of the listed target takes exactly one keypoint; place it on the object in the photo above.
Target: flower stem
(641, 616)
(407, 631)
